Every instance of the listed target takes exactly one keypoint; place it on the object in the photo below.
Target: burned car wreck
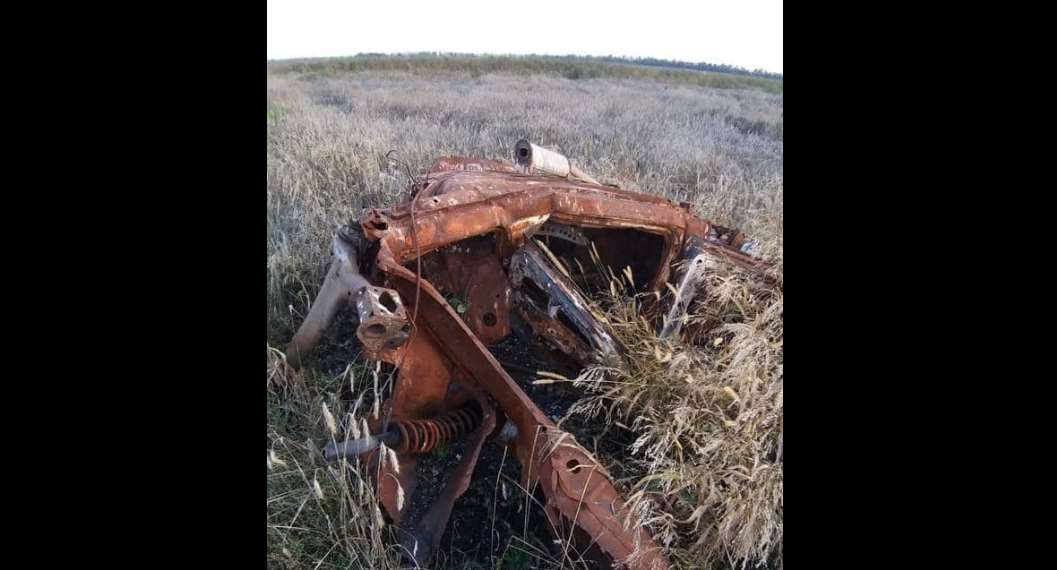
(494, 235)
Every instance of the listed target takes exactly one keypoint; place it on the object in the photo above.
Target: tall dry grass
(327, 140)
(705, 469)
(713, 493)
(569, 67)
(320, 514)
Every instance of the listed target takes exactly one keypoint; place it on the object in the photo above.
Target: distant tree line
(648, 61)
(715, 67)
(568, 66)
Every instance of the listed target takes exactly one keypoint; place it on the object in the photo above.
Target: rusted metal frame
(382, 320)
(528, 263)
(520, 194)
(556, 467)
(511, 205)
(516, 212)
(517, 195)
(583, 496)
(422, 535)
(580, 209)
(423, 379)
(484, 184)
(421, 395)
(467, 164)
(459, 345)
(556, 334)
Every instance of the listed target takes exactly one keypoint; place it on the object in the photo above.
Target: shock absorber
(412, 436)
(423, 436)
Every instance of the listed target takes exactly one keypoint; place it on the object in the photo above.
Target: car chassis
(472, 228)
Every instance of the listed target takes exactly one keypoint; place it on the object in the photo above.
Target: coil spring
(422, 436)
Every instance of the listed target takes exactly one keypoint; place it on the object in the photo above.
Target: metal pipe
(355, 447)
(533, 157)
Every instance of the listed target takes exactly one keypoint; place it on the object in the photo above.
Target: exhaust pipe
(536, 158)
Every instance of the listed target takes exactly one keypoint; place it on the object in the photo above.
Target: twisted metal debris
(471, 230)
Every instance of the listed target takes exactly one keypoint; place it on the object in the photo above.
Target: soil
(493, 523)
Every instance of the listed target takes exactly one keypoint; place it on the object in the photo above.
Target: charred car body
(473, 229)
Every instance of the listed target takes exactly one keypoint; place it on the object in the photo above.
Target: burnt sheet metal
(463, 198)
(560, 231)
(557, 312)
(693, 268)
(470, 274)
(423, 379)
(459, 204)
(454, 163)
(342, 282)
(581, 498)
(382, 320)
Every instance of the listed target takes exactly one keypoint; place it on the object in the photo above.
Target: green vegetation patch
(569, 67)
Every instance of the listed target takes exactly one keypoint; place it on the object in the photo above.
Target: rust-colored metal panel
(470, 271)
(422, 380)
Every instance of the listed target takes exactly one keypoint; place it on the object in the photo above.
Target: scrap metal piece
(726, 236)
(556, 310)
(696, 264)
(349, 449)
(390, 480)
(511, 205)
(562, 231)
(463, 163)
(536, 158)
(470, 271)
(342, 282)
(383, 320)
(411, 436)
(580, 500)
(427, 532)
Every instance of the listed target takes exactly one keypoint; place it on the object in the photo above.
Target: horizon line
(778, 75)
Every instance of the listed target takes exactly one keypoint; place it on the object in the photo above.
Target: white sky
(745, 33)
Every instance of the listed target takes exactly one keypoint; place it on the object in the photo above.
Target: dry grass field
(704, 467)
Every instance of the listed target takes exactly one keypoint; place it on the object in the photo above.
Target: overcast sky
(745, 33)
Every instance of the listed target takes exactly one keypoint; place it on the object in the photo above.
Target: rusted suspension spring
(423, 436)
(413, 436)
